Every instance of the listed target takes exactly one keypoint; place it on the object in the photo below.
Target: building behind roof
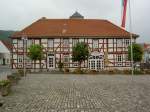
(5, 49)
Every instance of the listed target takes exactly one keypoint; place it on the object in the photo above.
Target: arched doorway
(96, 61)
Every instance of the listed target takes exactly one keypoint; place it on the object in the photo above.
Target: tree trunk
(34, 65)
(80, 64)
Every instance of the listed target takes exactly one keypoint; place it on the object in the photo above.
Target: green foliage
(78, 71)
(4, 35)
(80, 52)
(137, 53)
(35, 52)
(4, 83)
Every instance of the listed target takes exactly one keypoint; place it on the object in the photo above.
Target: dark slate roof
(76, 15)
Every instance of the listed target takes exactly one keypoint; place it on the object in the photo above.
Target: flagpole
(131, 38)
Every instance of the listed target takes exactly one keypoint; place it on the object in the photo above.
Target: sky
(17, 14)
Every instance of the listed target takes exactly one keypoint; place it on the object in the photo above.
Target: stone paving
(79, 93)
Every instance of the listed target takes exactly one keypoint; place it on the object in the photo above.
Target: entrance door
(96, 61)
(51, 61)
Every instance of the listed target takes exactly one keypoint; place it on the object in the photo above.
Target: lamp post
(24, 38)
(131, 37)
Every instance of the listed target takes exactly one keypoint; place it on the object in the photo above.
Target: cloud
(17, 14)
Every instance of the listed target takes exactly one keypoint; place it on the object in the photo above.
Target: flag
(124, 7)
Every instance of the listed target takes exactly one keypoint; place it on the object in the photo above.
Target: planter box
(5, 87)
(5, 90)
(13, 79)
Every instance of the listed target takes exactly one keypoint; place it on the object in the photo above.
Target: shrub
(21, 72)
(78, 71)
(126, 71)
(66, 70)
(138, 72)
(4, 83)
(5, 87)
(92, 72)
(146, 71)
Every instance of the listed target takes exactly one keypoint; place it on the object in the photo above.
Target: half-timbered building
(108, 43)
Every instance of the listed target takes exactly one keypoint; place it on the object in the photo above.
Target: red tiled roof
(72, 28)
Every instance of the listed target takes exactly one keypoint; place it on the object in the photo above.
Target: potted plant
(5, 87)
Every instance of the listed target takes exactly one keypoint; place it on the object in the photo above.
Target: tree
(35, 53)
(137, 53)
(80, 53)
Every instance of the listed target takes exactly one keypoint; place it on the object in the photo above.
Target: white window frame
(20, 43)
(29, 43)
(66, 60)
(20, 59)
(127, 42)
(50, 43)
(119, 59)
(75, 41)
(66, 42)
(95, 43)
(119, 43)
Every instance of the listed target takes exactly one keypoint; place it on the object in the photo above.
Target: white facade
(4, 54)
(104, 53)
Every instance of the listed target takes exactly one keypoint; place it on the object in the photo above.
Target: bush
(78, 71)
(146, 71)
(92, 72)
(5, 87)
(138, 72)
(21, 72)
(4, 83)
(126, 71)
(66, 70)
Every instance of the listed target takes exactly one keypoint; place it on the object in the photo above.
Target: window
(66, 60)
(75, 41)
(119, 43)
(93, 64)
(95, 43)
(20, 43)
(20, 58)
(29, 43)
(127, 42)
(119, 60)
(50, 43)
(66, 42)
(81, 40)
(75, 64)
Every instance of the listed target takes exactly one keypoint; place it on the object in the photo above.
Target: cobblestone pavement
(79, 93)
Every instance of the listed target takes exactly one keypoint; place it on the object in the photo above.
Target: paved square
(79, 93)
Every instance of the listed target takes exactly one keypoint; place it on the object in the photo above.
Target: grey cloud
(17, 14)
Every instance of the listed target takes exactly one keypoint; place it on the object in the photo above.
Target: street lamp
(131, 37)
(24, 38)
